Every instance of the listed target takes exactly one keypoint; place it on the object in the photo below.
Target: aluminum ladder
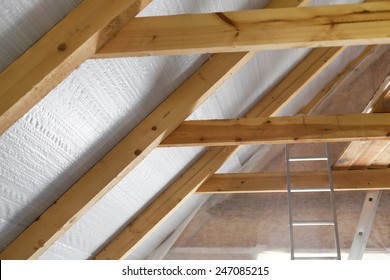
(311, 223)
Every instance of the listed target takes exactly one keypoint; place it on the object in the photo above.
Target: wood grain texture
(344, 180)
(52, 58)
(118, 162)
(382, 160)
(276, 4)
(325, 26)
(362, 154)
(281, 130)
(323, 93)
(133, 234)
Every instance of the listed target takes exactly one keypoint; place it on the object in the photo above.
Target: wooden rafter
(281, 130)
(51, 59)
(344, 180)
(325, 26)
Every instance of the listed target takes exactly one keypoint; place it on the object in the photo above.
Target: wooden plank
(133, 234)
(281, 130)
(277, 4)
(326, 26)
(364, 153)
(349, 156)
(117, 163)
(382, 160)
(383, 105)
(69, 43)
(368, 156)
(335, 82)
(344, 180)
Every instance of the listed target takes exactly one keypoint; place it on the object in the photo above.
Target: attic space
(197, 129)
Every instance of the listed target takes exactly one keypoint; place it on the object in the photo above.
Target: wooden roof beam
(281, 130)
(304, 27)
(61, 50)
(344, 180)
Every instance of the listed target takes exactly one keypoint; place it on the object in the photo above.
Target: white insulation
(65, 134)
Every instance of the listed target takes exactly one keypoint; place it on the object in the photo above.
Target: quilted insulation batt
(65, 134)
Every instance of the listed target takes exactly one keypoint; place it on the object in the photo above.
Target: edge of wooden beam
(268, 182)
(254, 30)
(281, 130)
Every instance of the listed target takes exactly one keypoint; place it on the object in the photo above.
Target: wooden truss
(82, 35)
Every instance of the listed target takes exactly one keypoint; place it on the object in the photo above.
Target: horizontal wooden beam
(325, 26)
(344, 180)
(61, 50)
(281, 130)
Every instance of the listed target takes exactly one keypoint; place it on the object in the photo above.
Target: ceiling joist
(344, 180)
(281, 130)
(303, 27)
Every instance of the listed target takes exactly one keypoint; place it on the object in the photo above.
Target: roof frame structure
(39, 236)
(124, 242)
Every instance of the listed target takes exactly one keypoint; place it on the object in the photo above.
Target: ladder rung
(310, 189)
(310, 158)
(316, 258)
(313, 223)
